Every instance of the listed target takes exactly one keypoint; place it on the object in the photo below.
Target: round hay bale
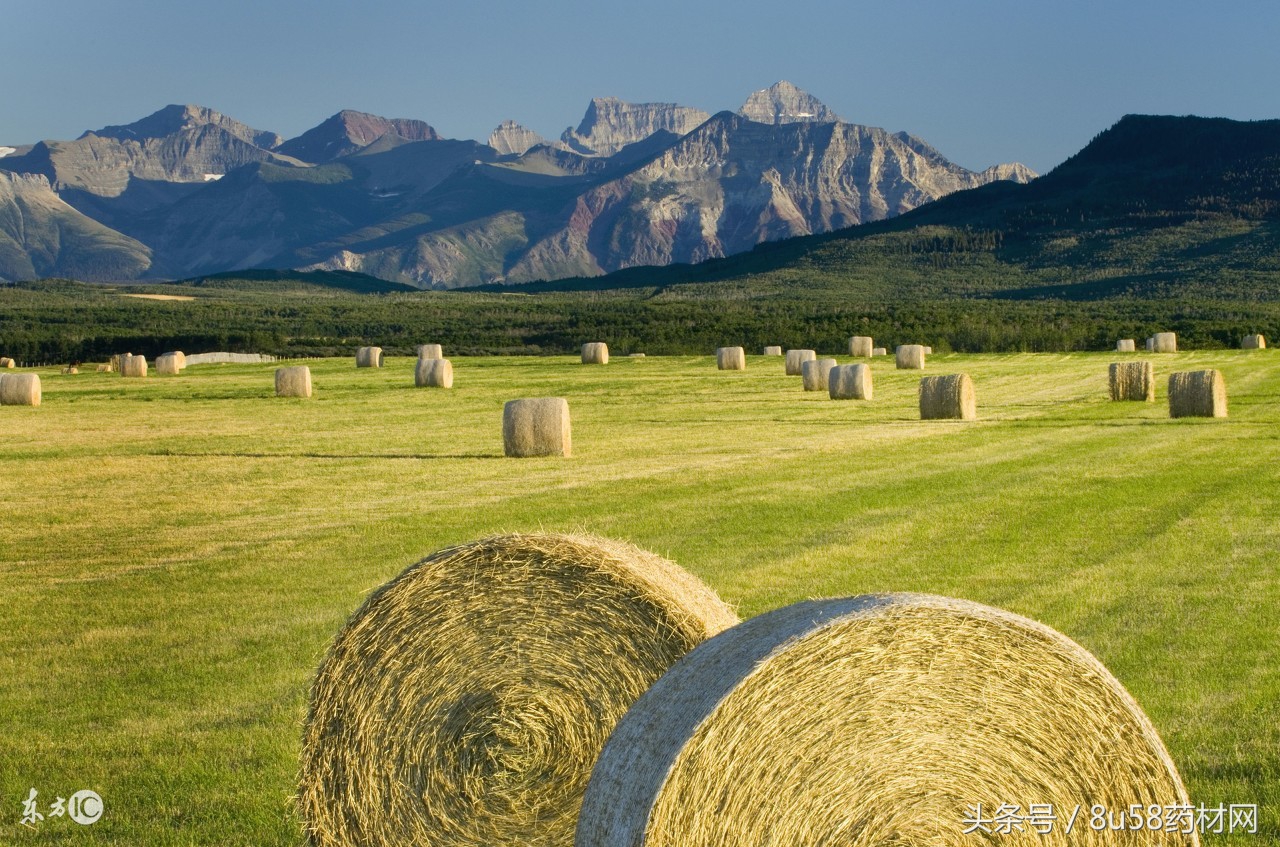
(1151, 344)
(133, 366)
(861, 346)
(635, 355)
(1133, 381)
(19, 390)
(536, 426)
(102, 369)
(467, 700)
(595, 353)
(815, 374)
(910, 357)
(6, 362)
(167, 364)
(795, 361)
(948, 397)
(877, 720)
(1253, 342)
(849, 382)
(430, 351)
(772, 350)
(1197, 394)
(293, 381)
(731, 359)
(1126, 345)
(928, 351)
(879, 351)
(433, 373)
(1164, 342)
(369, 357)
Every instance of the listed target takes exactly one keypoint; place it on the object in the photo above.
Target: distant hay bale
(861, 346)
(948, 397)
(814, 374)
(133, 366)
(433, 373)
(595, 353)
(910, 357)
(849, 382)
(731, 359)
(879, 351)
(1133, 381)
(466, 701)
(635, 355)
(1126, 345)
(1253, 342)
(773, 350)
(1165, 342)
(1151, 345)
(928, 351)
(19, 390)
(106, 368)
(877, 720)
(1197, 394)
(430, 351)
(69, 370)
(167, 363)
(293, 381)
(369, 357)
(796, 359)
(6, 362)
(536, 427)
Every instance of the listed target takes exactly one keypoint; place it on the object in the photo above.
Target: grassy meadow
(177, 552)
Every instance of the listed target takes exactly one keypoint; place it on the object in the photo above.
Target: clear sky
(984, 81)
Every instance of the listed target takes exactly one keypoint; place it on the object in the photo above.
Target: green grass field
(176, 553)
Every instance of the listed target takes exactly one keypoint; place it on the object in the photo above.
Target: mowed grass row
(177, 552)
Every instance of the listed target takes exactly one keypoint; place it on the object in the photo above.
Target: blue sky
(984, 81)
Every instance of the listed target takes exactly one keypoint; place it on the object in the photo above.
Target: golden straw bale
(773, 350)
(167, 363)
(1165, 342)
(1197, 394)
(430, 351)
(948, 397)
(861, 346)
(795, 361)
(731, 359)
(849, 382)
(6, 362)
(1126, 345)
(910, 357)
(1132, 381)
(536, 426)
(595, 353)
(466, 701)
(814, 374)
(879, 351)
(369, 357)
(293, 381)
(433, 373)
(19, 390)
(133, 366)
(1253, 342)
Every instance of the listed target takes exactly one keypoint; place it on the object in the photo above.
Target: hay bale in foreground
(773, 350)
(595, 353)
(879, 351)
(1197, 394)
(794, 364)
(369, 357)
(430, 351)
(293, 381)
(167, 364)
(433, 373)
(467, 700)
(19, 390)
(1164, 342)
(1132, 381)
(536, 426)
(814, 374)
(1253, 342)
(876, 720)
(910, 357)
(731, 359)
(948, 397)
(861, 346)
(849, 382)
(133, 366)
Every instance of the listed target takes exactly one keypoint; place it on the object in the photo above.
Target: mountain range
(188, 191)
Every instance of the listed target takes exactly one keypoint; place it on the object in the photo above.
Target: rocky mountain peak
(784, 103)
(350, 131)
(611, 124)
(512, 139)
(174, 119)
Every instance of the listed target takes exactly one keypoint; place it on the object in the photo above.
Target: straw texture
(1164, 342)
(537, 426)
(6, 362)
(861, 345)
(773, 351)
(879, 351)
(595, 353)
(466, 701)
(1132, 381)
(1126, 345)
(133, 366)
(849, 382)
(1197, 394)
(369, 357)
(947, 397)
(19, 390)
(876, 720)
(795, 361)
(731, 359)
(910, 357)
(293, 382)
(814, 374)
(1253, 342)
(430, 351)
(167, 364)
(433, 373)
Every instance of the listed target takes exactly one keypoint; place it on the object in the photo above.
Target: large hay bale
(595, 353)
(794, 364)
(879, 351)
(19, 390)
(878, 720)
(1197, 394)
(849, 382)
(773, 350)
(467, 700)
(1132, 381)
(133, 366)
(167, 363)
(1126, 345)
(731, 359)
(369, 357)
(430, 351)
(433, 373)
(947, 397)
(861, 346)
(293, 381)
(910, 357)
(1253, 342)
(1165, 342)
(536, 426)
(814, 374)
